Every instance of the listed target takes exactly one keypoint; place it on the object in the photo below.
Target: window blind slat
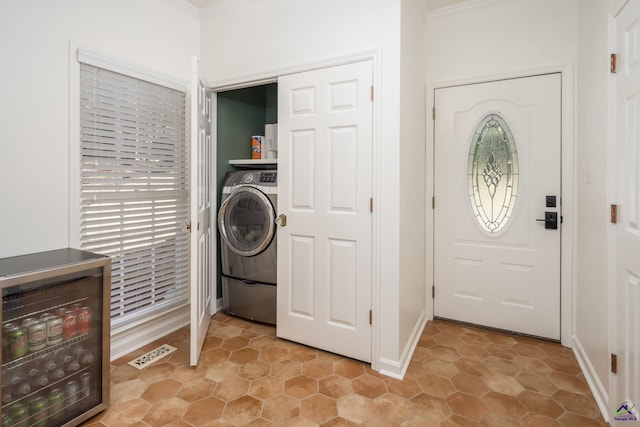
(134, 188)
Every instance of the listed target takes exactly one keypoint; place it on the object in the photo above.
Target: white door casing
(202, 233)
(508, 279)
(626, 232)
(325, 185)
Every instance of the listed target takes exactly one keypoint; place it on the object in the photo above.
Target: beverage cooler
(55, 337)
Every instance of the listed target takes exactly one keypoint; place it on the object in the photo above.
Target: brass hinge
(433, 203)
(614, 63)
(372, 92)
(614, 363)
(614, 214)
(187, 226)
(371, 204)
(433, 291)
(370, 317)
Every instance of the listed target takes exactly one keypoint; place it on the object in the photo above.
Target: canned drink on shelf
(59, 311)
(71, 392)
(29, 320)
(69, 324)
(84, 320)
(85, 385)
(6, 348)
(37, 335)
(76, 306)
(18, 342)
(44, 316)
(55, 327)
(38, 408)
(7, 420)
(19, 414)
(56, 403)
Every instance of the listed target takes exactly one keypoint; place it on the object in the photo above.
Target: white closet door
(324, 180)
(627, 228)
(202, 233)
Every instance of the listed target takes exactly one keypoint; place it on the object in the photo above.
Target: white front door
(497, 161)
(202, 247)
(627, 228)
(324, 189)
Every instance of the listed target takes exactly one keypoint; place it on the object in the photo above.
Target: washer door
(247, 221)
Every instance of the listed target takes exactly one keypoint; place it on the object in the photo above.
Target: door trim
(567, 238)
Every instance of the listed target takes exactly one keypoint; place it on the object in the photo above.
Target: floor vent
(148, 358)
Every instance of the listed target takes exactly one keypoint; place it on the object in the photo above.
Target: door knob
(281, 220)
(550, 220)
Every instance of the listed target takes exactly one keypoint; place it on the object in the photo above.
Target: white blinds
(134, 189)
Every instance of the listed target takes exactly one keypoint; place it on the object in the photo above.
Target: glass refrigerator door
(53, 354)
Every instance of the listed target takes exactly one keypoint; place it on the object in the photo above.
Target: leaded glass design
(492, 173)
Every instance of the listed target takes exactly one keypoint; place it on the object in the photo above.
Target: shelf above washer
(250, 163)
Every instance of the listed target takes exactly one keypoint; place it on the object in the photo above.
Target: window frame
(81, 54)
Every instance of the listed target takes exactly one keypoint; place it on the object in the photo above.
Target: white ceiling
(431, 4)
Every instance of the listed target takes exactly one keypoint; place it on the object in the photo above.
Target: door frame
(271, 76)
(567, 236)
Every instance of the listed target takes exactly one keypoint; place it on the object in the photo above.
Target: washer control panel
(256, 177)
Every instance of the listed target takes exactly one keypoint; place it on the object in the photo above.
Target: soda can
(38, 408)
(18, 342)
(37, 335)
(56, 403)
(55, 327)
(59, 311)
(29, 320)
(76, 307)
(85, 385)
(19, 414)
(69, 324)
(44, 316)
(7, 420)
(84, 320)
(6, 347)
(71, 392)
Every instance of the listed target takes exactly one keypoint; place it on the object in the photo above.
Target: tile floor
(459, 376)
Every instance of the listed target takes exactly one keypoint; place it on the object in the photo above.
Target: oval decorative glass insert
(492, 173)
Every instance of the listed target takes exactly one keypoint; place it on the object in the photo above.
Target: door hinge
(614, 214)
(614, 63)
(370, 317)
(370, 204)
(433, 113)
(372, 92)
(433, 202)
(433, 291)
(614, 363)
(187, 226)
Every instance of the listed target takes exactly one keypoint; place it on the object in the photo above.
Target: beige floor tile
(458, 376)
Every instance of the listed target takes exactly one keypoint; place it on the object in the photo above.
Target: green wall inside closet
(241, 113)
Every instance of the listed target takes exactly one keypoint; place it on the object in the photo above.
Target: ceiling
(431, 4)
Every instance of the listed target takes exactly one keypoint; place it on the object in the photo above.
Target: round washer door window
(247, 221)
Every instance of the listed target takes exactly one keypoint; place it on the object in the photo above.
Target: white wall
(497, 37)
(34, 106)
(243, 40)
(412, 298)
(592, 315)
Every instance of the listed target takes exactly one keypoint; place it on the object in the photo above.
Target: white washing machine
(246, 221)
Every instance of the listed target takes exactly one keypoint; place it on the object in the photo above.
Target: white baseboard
(125, 341)
(397, 368)
(600, 394)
